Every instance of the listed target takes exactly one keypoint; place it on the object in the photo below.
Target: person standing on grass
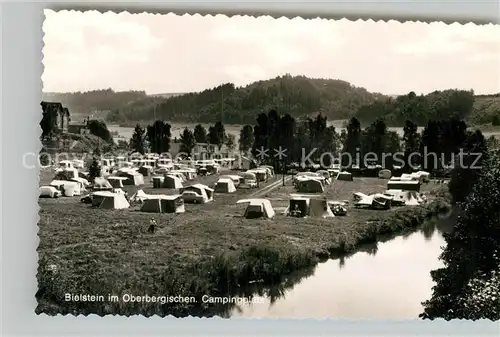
(152, 226)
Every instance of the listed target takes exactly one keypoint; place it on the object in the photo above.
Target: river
(176, 130)
(388, 280)
(126, 132)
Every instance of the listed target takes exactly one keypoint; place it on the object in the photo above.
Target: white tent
(326, 175)
(235, 178)
(178, 174)
(361, 199)
(133, 177)
(117, 182)
(258, 208)
(98, 197)
(113, 201)
(425, 177)
(306, 175)
(310, 185)
(71, 174)
(163, 204)
(68, 188)
(301, 206)
(65, 164)
(400, 197)
(139, 196)
(225, 186)
(171, 181)
(157, 181)
(333, 172)
(381, 201)
(375, 201)
(78, 163)
(145, 170)
(344, 176)
(188, 173)
(101, 183)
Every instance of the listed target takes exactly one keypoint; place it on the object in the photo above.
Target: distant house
(206, 151)
(79, 127)
(200, 148)
(57, 115)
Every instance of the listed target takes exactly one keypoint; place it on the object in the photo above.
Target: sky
(176, 54)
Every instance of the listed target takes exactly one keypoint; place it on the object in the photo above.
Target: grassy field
(210, 249)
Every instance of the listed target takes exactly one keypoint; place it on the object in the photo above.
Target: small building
(78, 128)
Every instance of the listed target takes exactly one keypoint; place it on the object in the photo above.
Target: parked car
(192, 197)
(49, 192)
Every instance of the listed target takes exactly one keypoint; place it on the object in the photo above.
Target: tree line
(157, 138)
(296, 95)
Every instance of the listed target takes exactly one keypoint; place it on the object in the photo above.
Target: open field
(210, 249)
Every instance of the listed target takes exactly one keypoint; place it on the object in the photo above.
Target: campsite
(110, 243)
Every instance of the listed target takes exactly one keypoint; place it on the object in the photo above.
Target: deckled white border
(21, 45)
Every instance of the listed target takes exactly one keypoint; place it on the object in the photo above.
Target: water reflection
(388, 279)
(272, 293)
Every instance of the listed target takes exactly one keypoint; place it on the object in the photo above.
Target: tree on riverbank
(94, 170)
(138, 139)
(411, 139)
(353, 138)
(246, 139)
(159, 135)
(467, 285)
(200, 134)
(468, 166)
(217, 134)
(187, 141)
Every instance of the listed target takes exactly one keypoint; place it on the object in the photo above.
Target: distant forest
(299, 96)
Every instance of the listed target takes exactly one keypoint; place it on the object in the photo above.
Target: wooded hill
(86, 103)
(298, 95)
(438, 105)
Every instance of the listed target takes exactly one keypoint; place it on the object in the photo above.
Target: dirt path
(270, 187)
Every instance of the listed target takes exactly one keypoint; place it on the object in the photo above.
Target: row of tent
(156, 203)
(420, 176)
(299, 206)
(388, 199)
(225, 183)
(315, 182)
(247, 179)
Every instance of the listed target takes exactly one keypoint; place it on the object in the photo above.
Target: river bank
(207, 251)
(388, 279)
